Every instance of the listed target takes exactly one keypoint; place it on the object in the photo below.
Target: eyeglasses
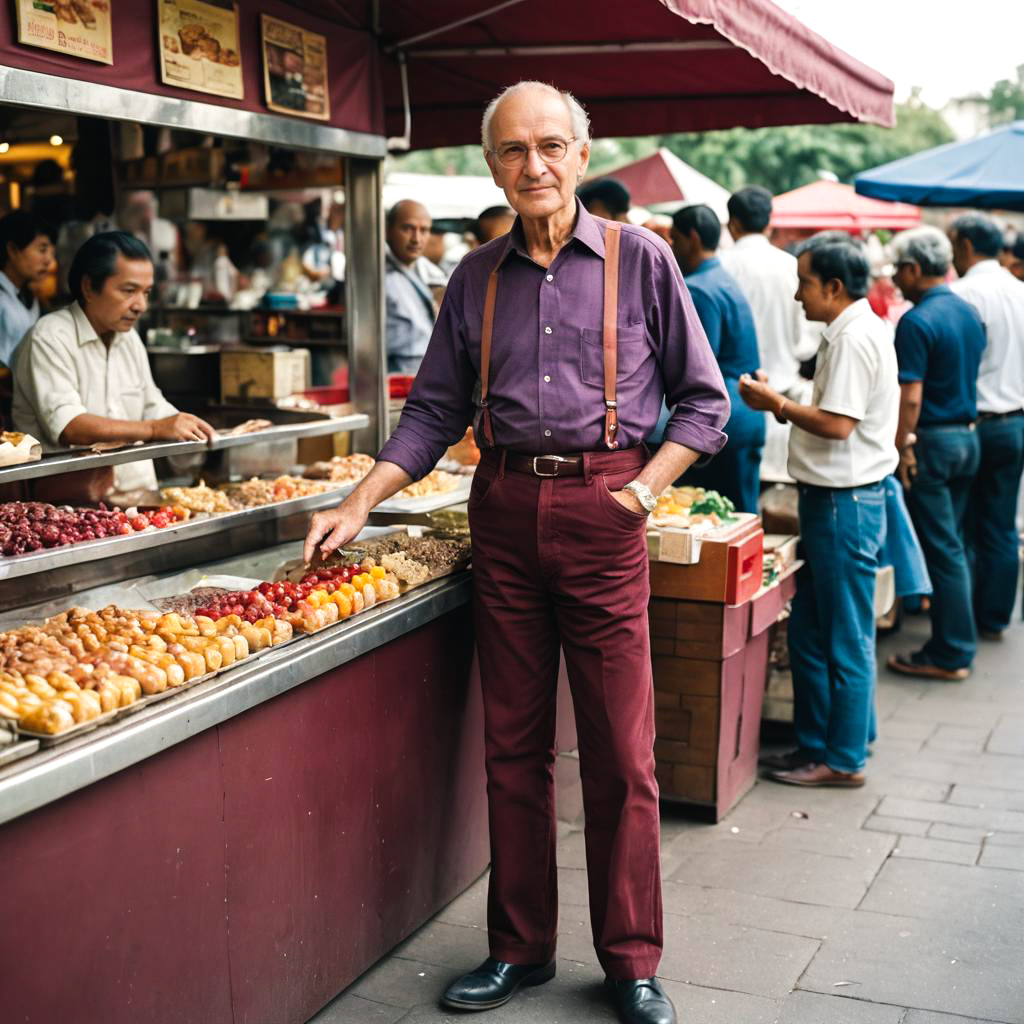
(551, 151)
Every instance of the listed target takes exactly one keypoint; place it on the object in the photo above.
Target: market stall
(268, 822)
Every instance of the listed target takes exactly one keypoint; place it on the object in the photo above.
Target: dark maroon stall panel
(114, 898)
(253, 871)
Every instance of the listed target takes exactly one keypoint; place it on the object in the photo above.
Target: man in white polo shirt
(841, 448)
(998, 297)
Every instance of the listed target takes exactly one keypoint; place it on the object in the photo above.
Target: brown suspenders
(609, 339)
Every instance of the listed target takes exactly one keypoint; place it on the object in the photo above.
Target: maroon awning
(645, 67)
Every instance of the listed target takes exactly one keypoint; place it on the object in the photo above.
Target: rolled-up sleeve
(52, 382)
(440, 405)
(693, 381)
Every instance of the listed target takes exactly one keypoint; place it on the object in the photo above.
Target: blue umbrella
(986, 172)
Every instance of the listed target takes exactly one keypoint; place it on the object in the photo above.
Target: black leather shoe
(642, 1002)
(494, 983)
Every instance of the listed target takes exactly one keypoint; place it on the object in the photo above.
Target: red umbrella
(646, 67)
(828, 204)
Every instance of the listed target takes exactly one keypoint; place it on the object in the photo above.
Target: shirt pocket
(132, 403)
(632, 347)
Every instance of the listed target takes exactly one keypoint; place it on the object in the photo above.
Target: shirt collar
(84, 330)
(756, 238)
(852, 312)
(706, 266)
(939, 289)
(984, 267)
(587, 230)
(7, 285)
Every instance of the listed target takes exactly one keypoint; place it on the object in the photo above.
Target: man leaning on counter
(81, 374)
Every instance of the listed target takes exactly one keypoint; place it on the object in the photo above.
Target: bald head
(531, 92)
(407, 228)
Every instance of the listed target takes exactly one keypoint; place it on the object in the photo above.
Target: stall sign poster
(199, 46)
(80, 28)
(294, 69)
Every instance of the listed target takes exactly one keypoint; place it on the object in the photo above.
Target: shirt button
(547, 433)
(547, 330)
(547, 379)
(550, 277)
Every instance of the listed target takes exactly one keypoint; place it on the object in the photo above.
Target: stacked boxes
(710, 667)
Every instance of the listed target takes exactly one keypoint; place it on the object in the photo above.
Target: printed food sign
(294, 69)
(199, 46)
(80, 28)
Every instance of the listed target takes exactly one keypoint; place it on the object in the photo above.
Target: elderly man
(992, 529)
(81, 375)
(729, 324)
(767, 277)
(564, 337)
(840, 450)
(939, 344)
(408, 279)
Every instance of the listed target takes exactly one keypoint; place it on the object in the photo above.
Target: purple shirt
(547, 364)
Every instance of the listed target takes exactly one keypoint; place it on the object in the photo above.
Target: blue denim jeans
(992, 521)
(832, 626)
(947, 460)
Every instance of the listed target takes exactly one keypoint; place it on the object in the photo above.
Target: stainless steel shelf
(94, 550)
(52, 774)
(73, 461)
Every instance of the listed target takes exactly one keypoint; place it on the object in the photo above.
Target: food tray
(18, 750)
(429, 502)
(47, 739)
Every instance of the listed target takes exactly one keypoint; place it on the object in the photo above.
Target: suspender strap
(609, 340)
(485, 354)
(609, 332)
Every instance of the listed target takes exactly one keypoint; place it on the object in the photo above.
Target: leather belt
(545, 465)
(999, 415)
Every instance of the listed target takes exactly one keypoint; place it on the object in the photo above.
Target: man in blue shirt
(939, 344)
(729, 324)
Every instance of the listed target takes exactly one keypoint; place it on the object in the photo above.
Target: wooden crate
(729, 570)
(262, 374)
(710, 664)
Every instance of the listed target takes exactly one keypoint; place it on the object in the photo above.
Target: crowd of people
(855, 412)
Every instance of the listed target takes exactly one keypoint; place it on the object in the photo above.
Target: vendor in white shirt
(26, 258)
(841, 448)
(81, 375)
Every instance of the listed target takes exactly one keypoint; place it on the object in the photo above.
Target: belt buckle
(556, 459)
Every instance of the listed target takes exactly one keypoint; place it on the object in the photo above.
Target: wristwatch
(643, 494)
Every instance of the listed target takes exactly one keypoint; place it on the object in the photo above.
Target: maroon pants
(560, 563)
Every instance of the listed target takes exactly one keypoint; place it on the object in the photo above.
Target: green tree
(1006, 101)
(787, 157)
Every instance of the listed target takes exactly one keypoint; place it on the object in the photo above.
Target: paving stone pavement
(900, 903)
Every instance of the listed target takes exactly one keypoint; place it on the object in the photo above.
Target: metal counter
(72, 461)
(51, 774)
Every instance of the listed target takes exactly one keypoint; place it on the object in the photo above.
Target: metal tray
(429, 502)
(73, 460)
(92, 550)
(47, 739)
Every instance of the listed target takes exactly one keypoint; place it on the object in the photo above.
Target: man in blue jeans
(939, 344)
(841, 448)
(992, 512)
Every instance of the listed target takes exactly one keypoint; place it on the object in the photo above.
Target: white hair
(926, 246)
(577, 115)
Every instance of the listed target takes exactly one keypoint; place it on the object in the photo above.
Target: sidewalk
(900, 903)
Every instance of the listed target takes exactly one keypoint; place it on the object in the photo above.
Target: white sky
(950, 48)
